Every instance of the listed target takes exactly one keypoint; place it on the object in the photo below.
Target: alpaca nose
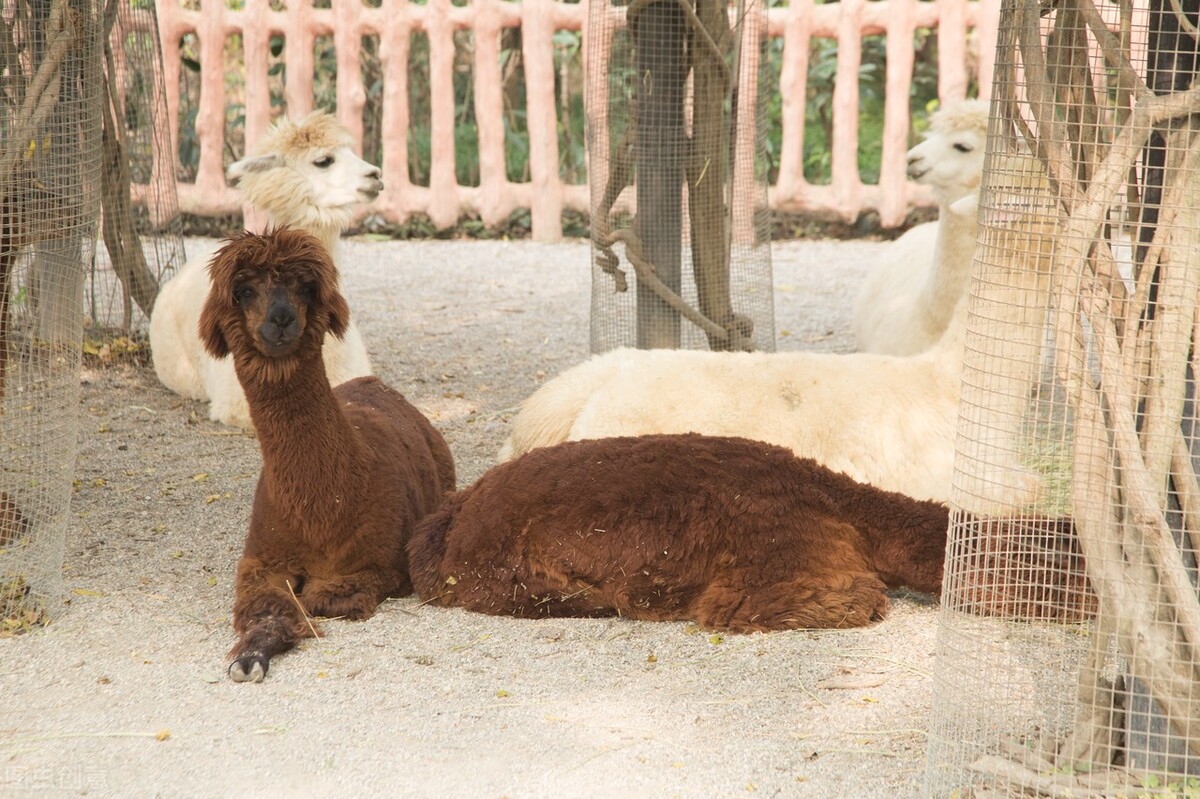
(280, 325)
(281, 314)
(376, 178)
(916, 166)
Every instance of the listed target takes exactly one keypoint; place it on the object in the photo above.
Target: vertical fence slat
(347, 43)
(537, 48)
(494, 206)
(987, 22)
(256, 40)
(210, 118)
(574, 18)
(847, 186)
(393, 60)
(298, 57)
(443, 185)
(952, 50)
(893, 174)
(746, 123)
(170, 31)
(793, 77)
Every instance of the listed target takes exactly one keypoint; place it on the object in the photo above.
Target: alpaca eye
(243, 294)
(323, 162)
(963, 148)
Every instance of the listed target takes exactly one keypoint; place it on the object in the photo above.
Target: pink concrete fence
(545, 194)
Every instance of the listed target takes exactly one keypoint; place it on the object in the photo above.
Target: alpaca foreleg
(351, 596)
(841, 600)
(266, 618)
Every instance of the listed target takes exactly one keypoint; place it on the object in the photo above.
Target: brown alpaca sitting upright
(347, 472)
(735, 534)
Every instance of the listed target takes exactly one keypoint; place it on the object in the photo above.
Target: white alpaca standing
(302, 175)
(906, 302)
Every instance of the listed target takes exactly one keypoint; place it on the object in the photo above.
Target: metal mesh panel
(680, 226)
(142, 229)
(49, 193)
(1067, 658)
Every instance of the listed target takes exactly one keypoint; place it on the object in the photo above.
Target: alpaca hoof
(257, 670)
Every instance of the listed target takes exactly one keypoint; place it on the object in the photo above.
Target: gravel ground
(126, 694)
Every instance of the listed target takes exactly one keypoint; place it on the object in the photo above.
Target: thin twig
(303, 612)
(1184, 22)
(648, 276)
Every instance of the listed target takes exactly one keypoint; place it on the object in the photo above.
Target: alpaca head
(304, 174)
(950, 159)
(273, 298)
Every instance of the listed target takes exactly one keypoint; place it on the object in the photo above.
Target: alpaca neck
(952, 262)
(329, 234)
(907, 537)
(308, 446)
(950, 349)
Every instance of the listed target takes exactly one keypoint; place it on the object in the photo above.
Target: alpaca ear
(210, 332)
(255, 163)
(966, 206)
(339, 314)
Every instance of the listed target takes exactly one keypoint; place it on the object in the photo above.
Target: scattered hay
(18, 613)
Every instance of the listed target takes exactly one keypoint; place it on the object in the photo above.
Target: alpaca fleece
(734, 534)
(347, 472)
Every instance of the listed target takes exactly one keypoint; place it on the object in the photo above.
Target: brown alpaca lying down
(735, 534)
(347, 471)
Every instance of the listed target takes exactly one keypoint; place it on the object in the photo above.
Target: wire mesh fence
(142, 229)
(680, 224)
(1067, 658)
(49, 196)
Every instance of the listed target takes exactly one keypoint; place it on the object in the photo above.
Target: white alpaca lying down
(907, 301)
(887, 420)
(881, 419)
(303, 175)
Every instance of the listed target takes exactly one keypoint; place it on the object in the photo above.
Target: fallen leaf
(162, 735)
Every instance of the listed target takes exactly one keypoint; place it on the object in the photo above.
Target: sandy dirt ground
(126, 693)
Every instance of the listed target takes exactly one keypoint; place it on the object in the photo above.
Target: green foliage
(818, 117)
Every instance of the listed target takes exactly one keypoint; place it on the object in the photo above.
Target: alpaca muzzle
(371, 187)
(917, 168)
(281, 329)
